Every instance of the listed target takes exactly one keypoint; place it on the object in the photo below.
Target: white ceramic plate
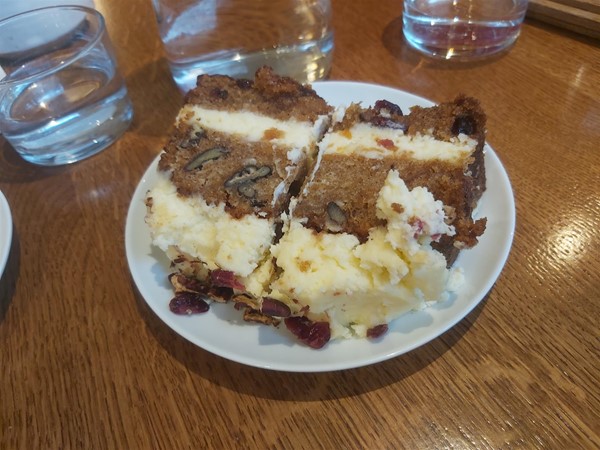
(223, 332)
(6, 228)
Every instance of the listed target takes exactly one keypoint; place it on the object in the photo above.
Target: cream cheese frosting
(372, 142)
(253, 126)
(356, 286)
(207, 232)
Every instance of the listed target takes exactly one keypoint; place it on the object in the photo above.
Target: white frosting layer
(358, 286)
(253, 126)
(413, 217)
(207, 232)
(375, 142)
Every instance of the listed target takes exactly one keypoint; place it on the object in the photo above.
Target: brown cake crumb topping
(275, 96)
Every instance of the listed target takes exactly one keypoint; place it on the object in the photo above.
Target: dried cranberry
(417, 225)
(392, 108)
(385, 122)
(225, 278)
(386, 143)
(272, 307)
(220, 294)
(464, 124)
(191, 284)
(377, 331)
(220, 93)
(313, 334)
(188, 303)
(244, 83)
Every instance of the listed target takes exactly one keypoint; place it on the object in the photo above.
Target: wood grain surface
(84, 363)
(582, 17)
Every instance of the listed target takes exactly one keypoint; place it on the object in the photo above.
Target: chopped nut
(250, 173)
(273, 307)
(252, 315)
(336, 217)
(208, 155)
(450, 213)
(246, 300)
(247, 190)
(195, 137)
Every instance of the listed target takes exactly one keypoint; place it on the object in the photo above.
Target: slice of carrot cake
(238, 149)
(382, 216)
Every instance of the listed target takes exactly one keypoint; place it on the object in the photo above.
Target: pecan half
(207, 155)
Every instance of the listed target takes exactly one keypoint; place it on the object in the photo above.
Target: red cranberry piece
(313, 334)
(384, 122)
(225, 278)
(219, 93)
(189, 283)
(244, 83)
(386, 143)
(220, 294)
(392, 108)
(464, 124)
(377, 331)
(188, 303)
(274, 308)
(417, 225)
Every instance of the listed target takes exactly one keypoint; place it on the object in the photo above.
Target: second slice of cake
(382, 216)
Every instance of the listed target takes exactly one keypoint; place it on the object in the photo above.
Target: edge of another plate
(6, 230)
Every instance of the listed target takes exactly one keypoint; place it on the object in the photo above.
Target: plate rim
(6, 231)
(474, 299)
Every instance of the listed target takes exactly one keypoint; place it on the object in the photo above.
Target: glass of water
(61, 96)
(462, 29)
(236, 37)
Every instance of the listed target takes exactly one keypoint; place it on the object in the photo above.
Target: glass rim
(87, 11)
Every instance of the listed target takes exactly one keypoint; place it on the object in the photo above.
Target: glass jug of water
(236, 37)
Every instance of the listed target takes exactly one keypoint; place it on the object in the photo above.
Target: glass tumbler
(236, 37)
(61, 96)
(462, 29)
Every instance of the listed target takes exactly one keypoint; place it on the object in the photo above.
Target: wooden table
(86, 364)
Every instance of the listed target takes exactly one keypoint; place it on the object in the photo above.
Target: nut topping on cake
(249, 174)
(336, 217)
(207, 155)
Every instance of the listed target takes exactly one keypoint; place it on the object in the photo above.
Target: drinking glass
(462, 29)
(61, 96)
(236, 37)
